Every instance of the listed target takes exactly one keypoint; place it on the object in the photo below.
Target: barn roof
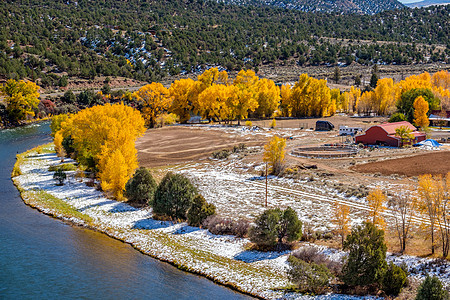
(390, 127)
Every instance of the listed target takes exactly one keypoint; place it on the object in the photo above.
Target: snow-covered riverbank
(223, 259)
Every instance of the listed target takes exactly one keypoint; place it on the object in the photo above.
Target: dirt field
(176, 144)
(430, 163)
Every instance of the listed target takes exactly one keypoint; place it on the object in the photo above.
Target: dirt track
(177, 144)
(430, 163)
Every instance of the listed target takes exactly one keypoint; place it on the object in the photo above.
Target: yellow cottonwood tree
(99, 132)
(300, 102)
(245, 102)
(57, 120)
(384, 96)
(441, 79)
(114, 174)
(366, 103)
(339, 101)
(376, 200)
(215, 102)
(286, 93)
(155, 100)
(58, 144)
(335, 95)
(354, 98)
(341, 219)
(183, 94)
(21, 98)
(420, 112)
(274, 152)
(311, 97)
(435, 202)
(429, 204)
(321, 99)
(208, 77)
(268, 97)
(422, 81)
(204, 81)
(444, 97)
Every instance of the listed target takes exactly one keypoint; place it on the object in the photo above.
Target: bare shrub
(312, 255)
(225, 226)
(240, 227)
(309, 255)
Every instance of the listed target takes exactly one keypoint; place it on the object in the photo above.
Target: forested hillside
(147, 40)
(330, 6)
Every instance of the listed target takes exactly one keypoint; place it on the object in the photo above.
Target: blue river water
(44, 258)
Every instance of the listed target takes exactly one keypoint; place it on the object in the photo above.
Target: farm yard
(236, 183)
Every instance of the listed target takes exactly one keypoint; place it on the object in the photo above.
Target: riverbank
(222, 259)
(23, 123)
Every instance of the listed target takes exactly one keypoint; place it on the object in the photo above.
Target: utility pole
(266, 184)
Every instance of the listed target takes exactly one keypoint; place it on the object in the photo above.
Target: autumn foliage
(274, 152)
(21, 99)
(309, 97)
(155, 100)
(376, 201)
(103, 139)
(341, 220)
(420, 112)
(434, 195)
(387, 95)
(214, 96)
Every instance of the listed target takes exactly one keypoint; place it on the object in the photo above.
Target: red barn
(384, 134)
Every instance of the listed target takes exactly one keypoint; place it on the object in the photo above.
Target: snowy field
(221, 258)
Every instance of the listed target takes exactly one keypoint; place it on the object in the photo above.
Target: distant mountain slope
(330, 6)
(428, 3)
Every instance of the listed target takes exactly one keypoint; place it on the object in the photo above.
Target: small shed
(384, 134)
(324, 126)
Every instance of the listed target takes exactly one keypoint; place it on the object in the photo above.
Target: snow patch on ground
(224, 258)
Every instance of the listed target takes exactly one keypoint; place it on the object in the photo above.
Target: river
(42, 258)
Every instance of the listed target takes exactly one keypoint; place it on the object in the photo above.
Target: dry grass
(52, 205)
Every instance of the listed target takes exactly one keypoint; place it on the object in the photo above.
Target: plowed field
(431, 163)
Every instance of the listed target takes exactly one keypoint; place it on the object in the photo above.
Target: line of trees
(388, 97)
(215, 97)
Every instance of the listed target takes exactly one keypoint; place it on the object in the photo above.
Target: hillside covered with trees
(56, 40)
(333, 6)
